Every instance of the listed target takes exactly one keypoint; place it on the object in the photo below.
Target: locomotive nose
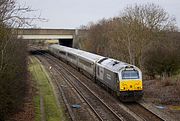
(130, 85)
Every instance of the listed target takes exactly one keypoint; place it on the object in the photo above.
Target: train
(122, 79)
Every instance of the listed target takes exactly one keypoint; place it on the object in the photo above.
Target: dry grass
(162, 91)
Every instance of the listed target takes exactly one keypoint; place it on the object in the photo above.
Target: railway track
(142, 112)
(99, 107)
(116, 109)
(67, 92)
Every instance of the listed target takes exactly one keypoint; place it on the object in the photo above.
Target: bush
(13, 56)
(13, 72)
(162, 58)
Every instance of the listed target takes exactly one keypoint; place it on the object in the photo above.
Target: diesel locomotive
(123, 79)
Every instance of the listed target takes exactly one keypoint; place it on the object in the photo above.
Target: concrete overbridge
(63, 36)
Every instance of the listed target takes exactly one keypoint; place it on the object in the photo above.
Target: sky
(71, 14)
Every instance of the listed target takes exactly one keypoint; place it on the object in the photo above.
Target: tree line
(143, 35)
(13, 58)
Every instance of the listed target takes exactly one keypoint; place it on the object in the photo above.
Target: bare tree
(126, 37)
(143, 24)
(13, 56)
(15, 15)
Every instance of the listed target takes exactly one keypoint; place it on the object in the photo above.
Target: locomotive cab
(130, 84)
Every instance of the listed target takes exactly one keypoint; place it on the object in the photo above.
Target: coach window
(71, 56)
(85, 63)
(62, 52)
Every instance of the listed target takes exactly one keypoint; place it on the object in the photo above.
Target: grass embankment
(45, 102)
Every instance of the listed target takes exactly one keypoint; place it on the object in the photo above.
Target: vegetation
(13, 58)
(162, 58)
(13, 72)
(51, 110)
(140, 35)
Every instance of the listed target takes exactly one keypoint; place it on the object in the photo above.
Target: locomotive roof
(114, 65)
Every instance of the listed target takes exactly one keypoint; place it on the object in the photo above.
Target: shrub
(162, 58)
(13, 72)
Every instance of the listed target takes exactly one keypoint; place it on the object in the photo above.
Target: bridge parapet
(46, 31)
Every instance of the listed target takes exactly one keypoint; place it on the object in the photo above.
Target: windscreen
(130, 74)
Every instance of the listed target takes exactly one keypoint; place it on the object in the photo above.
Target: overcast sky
(74, 13)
